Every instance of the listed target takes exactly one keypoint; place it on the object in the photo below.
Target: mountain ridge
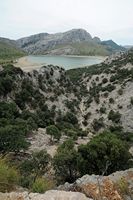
(72, 42)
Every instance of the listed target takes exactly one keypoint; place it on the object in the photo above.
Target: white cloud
(104, 18)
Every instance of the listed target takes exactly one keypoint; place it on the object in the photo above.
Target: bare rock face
(49, 195)
(45, 43)
(117, 186)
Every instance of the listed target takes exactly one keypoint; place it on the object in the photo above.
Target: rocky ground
(39, 140)
(49, 195)
(117, 186)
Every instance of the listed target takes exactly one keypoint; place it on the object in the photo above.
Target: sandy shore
(26, 65)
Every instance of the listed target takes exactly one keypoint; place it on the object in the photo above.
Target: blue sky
(108, 19)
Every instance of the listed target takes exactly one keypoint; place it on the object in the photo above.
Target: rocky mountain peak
(97, 39)
(78, 35)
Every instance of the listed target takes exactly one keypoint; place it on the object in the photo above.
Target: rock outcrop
(49, 195)
(117, 186)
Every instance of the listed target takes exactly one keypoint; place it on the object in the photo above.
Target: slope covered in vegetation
(9, 50)
(67, 106)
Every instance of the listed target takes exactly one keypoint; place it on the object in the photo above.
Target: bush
(97, 124)
(114, 116)
(104, 150)
(123, 187)
(120, 91)
(54, 132)
(102, 110)
(65, 162)
(36, 166)
(12, 139)
(8, 110)
(105, 80)
(70, 118)
(71, 133)
(111, 100)
(108, 88)
(41, 185)
(9, 177)
(131, 100)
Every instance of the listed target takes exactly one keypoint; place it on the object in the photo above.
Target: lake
(68, 62)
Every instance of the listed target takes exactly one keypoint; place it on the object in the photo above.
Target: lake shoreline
(74, 56)
(27, 65)
(30, 62)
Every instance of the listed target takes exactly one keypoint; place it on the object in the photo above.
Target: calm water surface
(68, 62)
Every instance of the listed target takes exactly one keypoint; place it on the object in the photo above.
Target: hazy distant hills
(128, 46)
(73, 42)
(9, 50)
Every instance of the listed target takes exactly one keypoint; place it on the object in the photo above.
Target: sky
(107, 19)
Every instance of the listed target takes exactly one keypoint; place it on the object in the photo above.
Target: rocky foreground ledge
(49, 195)
(117, 186)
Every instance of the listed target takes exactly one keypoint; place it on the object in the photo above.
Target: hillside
(106, 93)
(73, 42)
(9, 50)
(50, 120)
(97, 97)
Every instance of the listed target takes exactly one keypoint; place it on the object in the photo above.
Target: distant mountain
(112, 46)
(73, 42)
(128, 46)
(9, 50)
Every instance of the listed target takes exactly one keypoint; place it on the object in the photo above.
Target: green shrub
(120, 91)
(12, 139)
(71, 133)
(97, 124)
(123, 187)
(41, 185)
(53, 131)
(104, 153)
(105, 80)
(65, 162)
(114, 116)
(70, 118)
(108, 88)
(103, 110)
(9, 177)
(131, 100)
(35, 166)
(106, 94)
(8, 110)
(111, 100)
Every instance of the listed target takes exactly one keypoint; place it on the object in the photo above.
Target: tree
(65, 162)
(102, 149)
(8, 110)
(37, 165)
(12, 139)
(54, 132)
